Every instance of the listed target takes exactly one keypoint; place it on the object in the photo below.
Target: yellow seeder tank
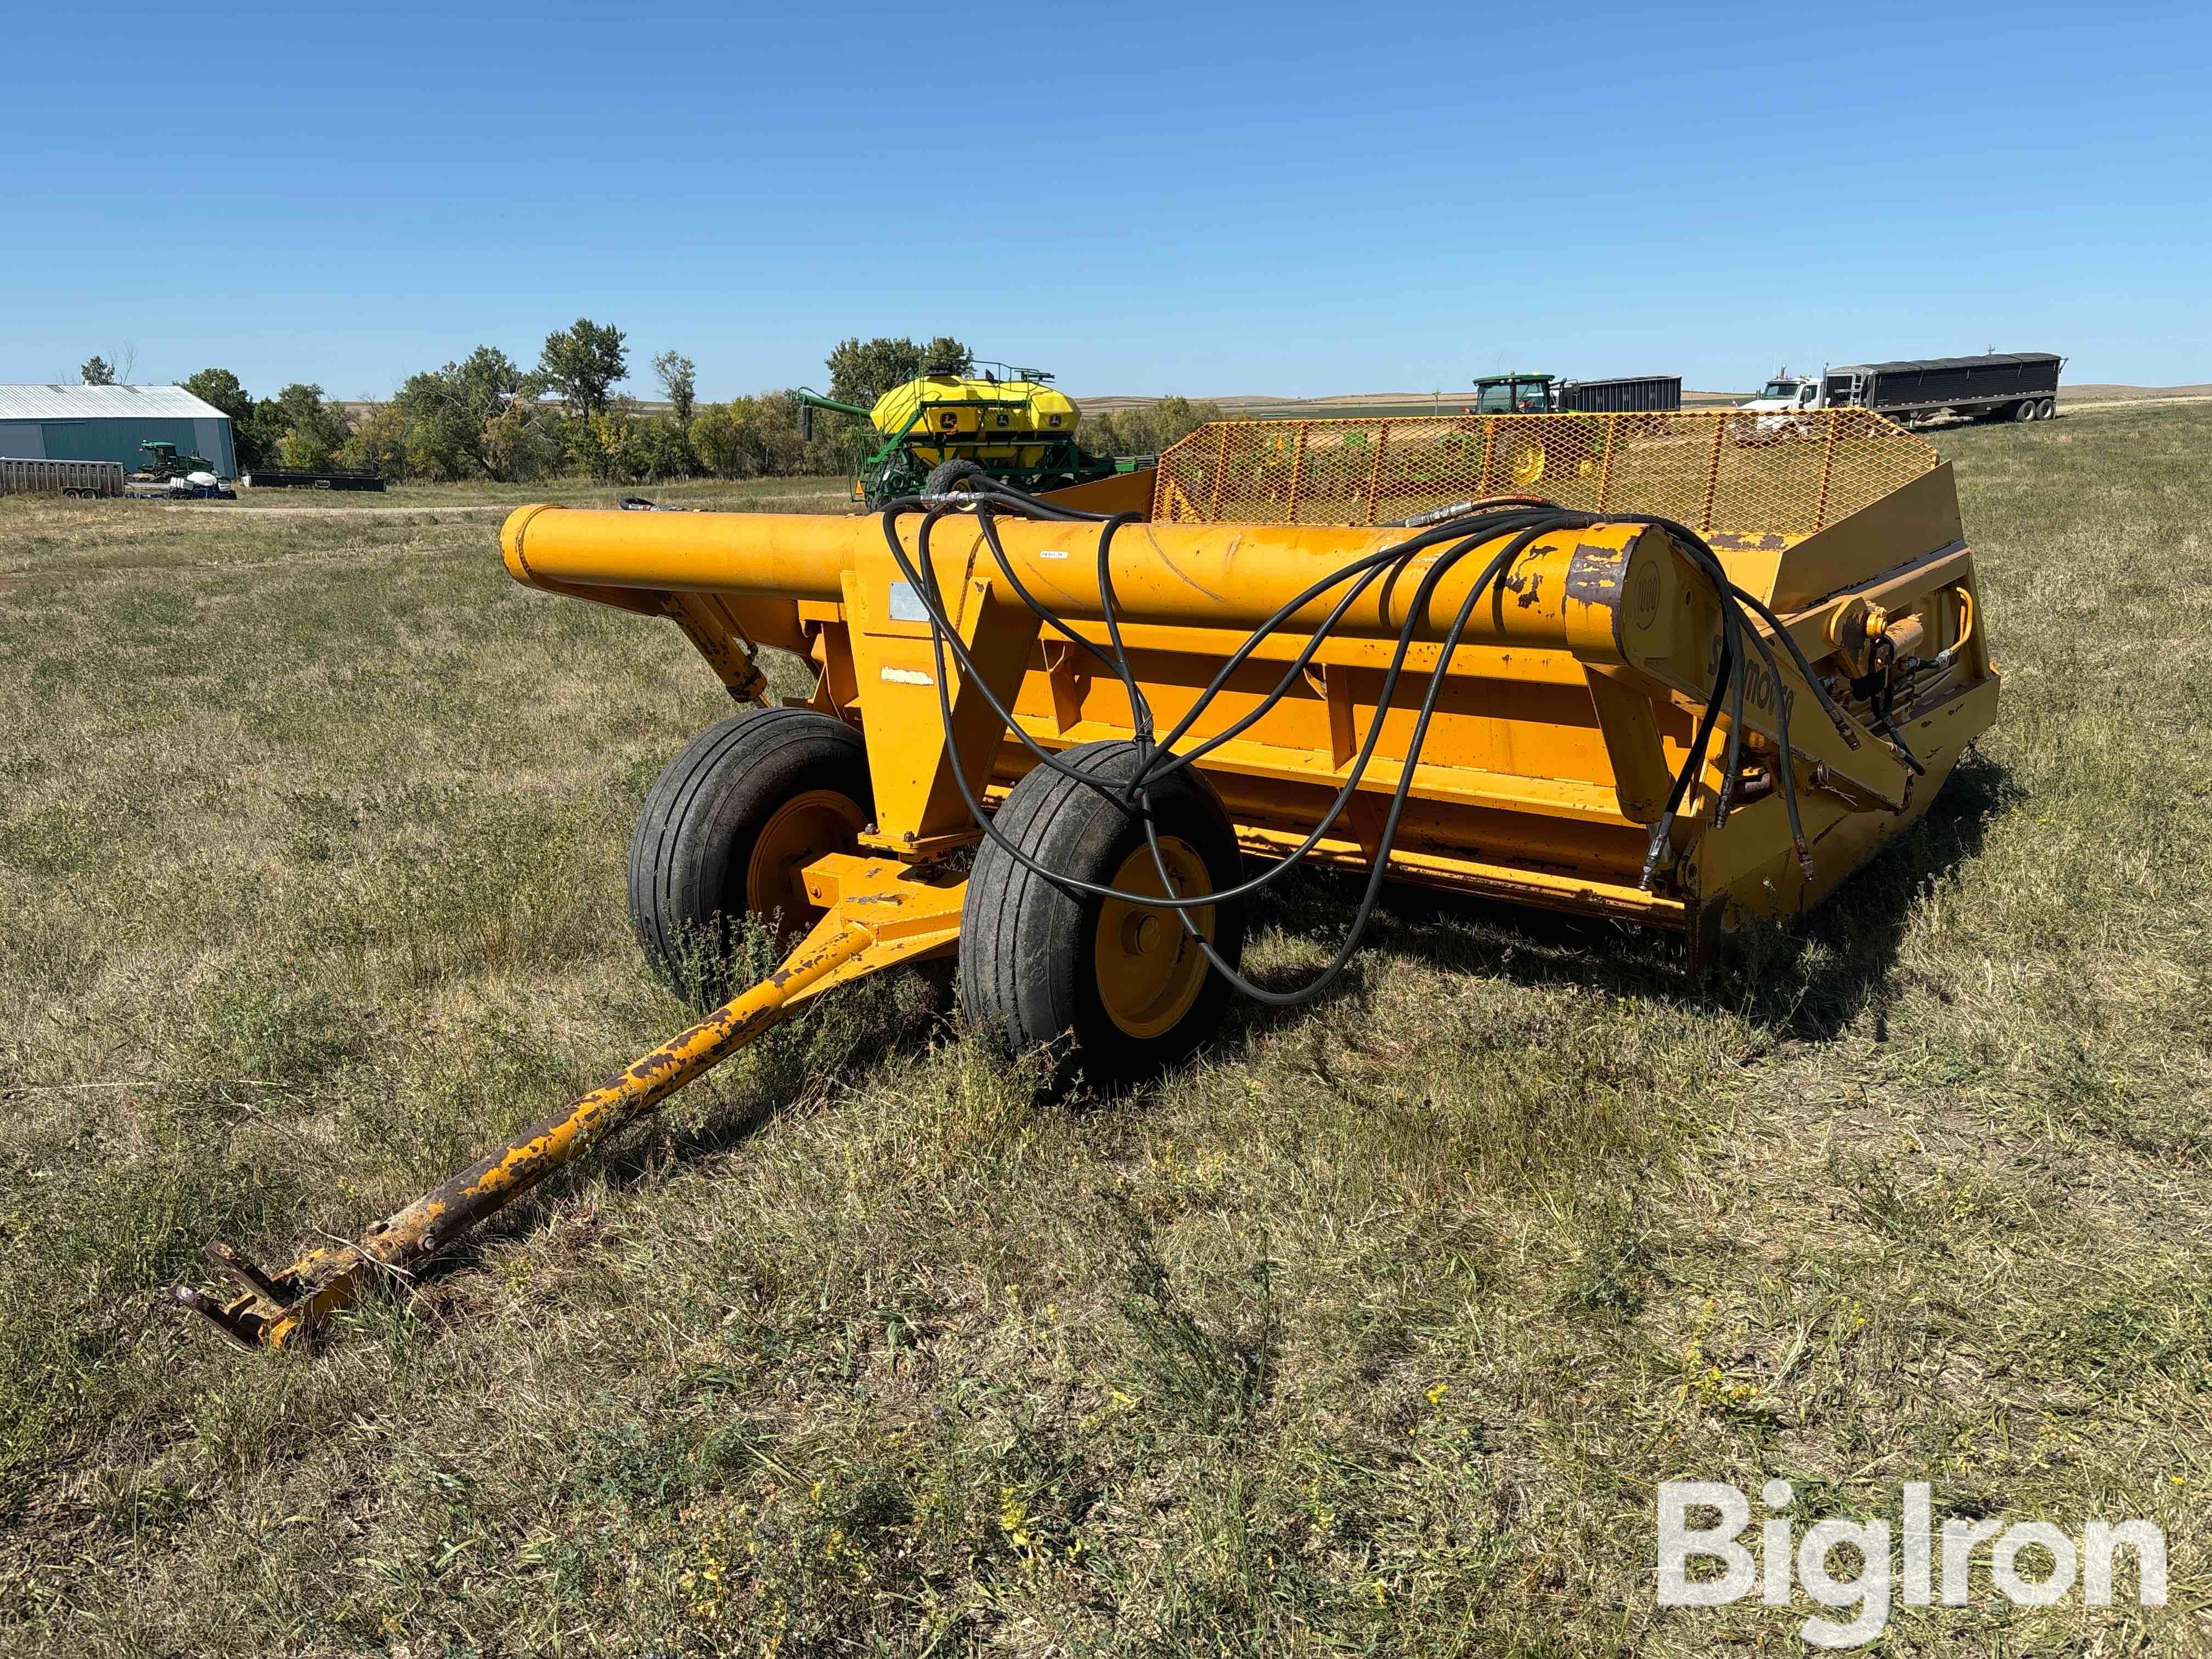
(969, 408)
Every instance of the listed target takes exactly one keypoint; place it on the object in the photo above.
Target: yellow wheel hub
(799, 831)
(1527, 464)
(1150, 970)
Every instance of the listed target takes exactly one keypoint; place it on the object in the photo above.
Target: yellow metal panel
(1125, 492)
(1920, 518)
(918, 799)
(1747, 864)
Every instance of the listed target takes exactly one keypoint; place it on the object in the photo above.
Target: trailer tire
(1122, 984)
(2026, 411)
(946, 475)
(726, 828)
(2047, 409)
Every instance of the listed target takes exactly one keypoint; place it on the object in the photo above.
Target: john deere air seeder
(1630, 666)
(1009, 424)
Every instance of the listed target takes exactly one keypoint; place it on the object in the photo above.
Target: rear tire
(727, 828)
(2026, 411)
(1124, 983)
(2047, 409)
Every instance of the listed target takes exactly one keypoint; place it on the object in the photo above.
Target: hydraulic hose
(1523, 518)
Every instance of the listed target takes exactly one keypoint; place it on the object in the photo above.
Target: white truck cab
(1785, 393)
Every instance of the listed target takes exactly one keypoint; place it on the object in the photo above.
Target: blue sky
(1276, 199)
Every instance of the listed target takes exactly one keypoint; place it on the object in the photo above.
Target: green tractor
(1009, 422)
(162, 462)
(1518, 393)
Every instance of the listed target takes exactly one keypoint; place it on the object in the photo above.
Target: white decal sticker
(907, 677)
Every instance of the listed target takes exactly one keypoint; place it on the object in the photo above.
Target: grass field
(1374, 1332)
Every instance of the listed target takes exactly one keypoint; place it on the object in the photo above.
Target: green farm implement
(1011, 423)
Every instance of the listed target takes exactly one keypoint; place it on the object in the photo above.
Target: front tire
(727, 832)
(1124, 983)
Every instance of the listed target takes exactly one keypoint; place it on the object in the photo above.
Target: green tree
(305, 450)
(861, 371)
(664, 450)
(946, 353)
(299, 427)
(1146, 429)
(607, 445)
(758, 437)
(97, 371)
(623, 447)
(678, 378)
(718, 439)
(446, 411)
(525, 440)
(377, 442)
(837, 438)
(582, 361)
(221, 388)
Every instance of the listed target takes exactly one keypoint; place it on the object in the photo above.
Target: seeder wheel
(726, 831)
(1124, 981)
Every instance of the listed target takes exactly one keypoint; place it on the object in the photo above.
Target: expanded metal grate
(1722, 469)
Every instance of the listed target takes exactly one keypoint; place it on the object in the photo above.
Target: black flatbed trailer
(287, 477)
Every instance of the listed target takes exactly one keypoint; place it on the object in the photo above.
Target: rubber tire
(1027, 975)
(695, 834)
(945, 474)
(2047, 409)
(2026, 411)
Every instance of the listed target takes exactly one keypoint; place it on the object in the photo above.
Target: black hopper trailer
(1632, 393)
(2003, 386)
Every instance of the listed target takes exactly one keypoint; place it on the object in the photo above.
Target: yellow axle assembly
(1559, 727)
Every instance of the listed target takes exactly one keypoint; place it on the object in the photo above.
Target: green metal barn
(40, 423)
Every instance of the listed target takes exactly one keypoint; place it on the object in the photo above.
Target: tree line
(486, 417)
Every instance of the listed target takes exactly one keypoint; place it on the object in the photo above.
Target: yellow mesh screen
(1709, 468)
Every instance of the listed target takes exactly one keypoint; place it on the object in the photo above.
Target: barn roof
(35, 402)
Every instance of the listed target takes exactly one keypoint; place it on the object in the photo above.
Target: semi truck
(1999, 386)
(1545, 394)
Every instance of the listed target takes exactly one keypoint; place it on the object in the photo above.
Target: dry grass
(1374, 1331)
